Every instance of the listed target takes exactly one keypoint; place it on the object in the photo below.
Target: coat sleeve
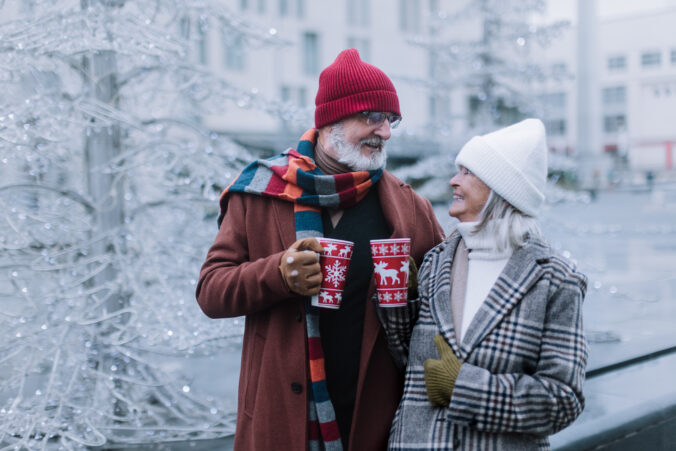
(398, 322)
(540, 403)
(230, 284)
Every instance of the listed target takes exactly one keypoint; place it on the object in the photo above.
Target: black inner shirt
(341, 330)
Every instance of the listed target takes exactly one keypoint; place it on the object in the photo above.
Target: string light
(108, 197)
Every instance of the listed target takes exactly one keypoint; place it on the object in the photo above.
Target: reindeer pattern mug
(390, 265)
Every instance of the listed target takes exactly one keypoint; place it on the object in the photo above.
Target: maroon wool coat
(241, 277)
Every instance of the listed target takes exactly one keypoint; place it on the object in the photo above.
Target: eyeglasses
(377, 118)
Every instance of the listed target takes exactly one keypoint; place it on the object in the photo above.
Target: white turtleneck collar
(482, 245)
(485, 264)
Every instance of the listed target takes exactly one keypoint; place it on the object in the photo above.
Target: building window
(617, 63)
(184, 25)
(202, 41)
(243, 5)
(261, 6)
(361, 44)
(651, 59)
(504, 114)
(673, 56)
(302, 96)
(559, 69)
(294, 95)
(614, 123)
(439, 107)
(409, 16)
(555, 127)
(359, 13)
(234, 54)
(662, 90)
(555, 101)
(285, 93)
(433, 107)
(310, 53)
(614, 95)
(283, 8)
(300, 8)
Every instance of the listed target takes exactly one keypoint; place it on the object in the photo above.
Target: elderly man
(316, 378)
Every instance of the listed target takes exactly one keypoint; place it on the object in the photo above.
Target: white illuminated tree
(483, 49)
(491, 60)
(108, 197)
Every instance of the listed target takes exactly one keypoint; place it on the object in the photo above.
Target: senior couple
(488, 354)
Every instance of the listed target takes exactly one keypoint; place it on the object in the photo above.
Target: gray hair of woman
(510, 226)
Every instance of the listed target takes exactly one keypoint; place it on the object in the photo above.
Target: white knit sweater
(485, 265)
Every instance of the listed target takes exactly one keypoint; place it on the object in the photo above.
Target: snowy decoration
(336, 273)
(494, 65)
(484, 49)
(108, 197)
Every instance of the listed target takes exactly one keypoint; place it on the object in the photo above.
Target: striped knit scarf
(294, 177)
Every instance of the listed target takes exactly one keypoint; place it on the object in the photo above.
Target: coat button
(296, 388)
(299, 317)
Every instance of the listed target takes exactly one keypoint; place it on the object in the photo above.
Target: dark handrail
(633, 361)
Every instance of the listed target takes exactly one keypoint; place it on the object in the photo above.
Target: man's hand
(440, 375)
(300, 267)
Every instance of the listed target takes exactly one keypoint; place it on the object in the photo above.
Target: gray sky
(566, 9)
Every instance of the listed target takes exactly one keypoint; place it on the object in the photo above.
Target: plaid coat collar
(522, 270)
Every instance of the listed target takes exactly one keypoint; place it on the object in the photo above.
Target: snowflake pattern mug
(390, 265)
(334, 261)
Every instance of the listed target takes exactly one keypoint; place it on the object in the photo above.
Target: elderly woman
(496, 358)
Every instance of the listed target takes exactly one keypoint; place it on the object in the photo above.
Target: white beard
(350, 155)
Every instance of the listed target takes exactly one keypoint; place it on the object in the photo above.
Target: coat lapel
(282, 213)
(440, 292)
(518, 276)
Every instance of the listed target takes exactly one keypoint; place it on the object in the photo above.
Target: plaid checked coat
(524, 355)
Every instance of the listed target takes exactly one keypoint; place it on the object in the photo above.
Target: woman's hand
(440, 375)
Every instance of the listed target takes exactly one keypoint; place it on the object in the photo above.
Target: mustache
(375, 141)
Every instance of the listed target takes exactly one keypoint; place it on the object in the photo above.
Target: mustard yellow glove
(300, 267)
(412, 279)
(440, 375)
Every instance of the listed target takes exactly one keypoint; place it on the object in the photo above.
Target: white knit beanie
(512, 161)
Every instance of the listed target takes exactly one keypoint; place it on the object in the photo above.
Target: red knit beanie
(349, 86)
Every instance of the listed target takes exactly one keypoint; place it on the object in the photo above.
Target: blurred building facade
(636, 71)
(636, 74)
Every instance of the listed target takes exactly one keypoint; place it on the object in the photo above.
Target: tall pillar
(589, 147)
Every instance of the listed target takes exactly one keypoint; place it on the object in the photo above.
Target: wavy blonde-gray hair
(511, 226)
